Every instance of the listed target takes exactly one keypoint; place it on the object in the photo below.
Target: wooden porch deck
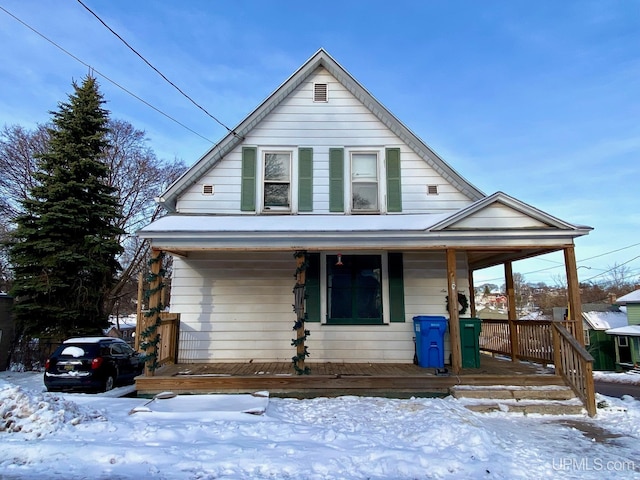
(329, 379)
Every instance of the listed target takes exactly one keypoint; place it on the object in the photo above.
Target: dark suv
(91, 364)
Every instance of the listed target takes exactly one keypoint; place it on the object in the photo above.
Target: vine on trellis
(149, 337)
(299, 295)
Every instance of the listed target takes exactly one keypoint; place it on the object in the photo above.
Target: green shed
(597, 342)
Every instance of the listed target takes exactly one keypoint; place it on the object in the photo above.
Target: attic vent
(320, 92)
(207, 189)
(432, 189)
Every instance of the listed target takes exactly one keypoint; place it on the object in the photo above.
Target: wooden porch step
(544, 400)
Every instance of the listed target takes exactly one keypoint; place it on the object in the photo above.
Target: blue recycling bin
(429, 331)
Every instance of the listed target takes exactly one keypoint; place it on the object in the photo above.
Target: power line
(612, 251)
(93, 70)
(604, 272)
(611, 269)
(155, 69)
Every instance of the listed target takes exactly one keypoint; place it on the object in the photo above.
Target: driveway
(616, 389)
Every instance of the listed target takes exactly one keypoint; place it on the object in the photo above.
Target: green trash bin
(470, 342)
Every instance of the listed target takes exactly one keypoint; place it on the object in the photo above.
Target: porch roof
(485, 247)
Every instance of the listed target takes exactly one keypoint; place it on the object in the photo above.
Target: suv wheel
(109, 382)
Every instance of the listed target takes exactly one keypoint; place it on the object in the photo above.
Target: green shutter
(312, 287)
(396, 287)
(336, 180)
(248, 187)
(305, 179)
(394, 192)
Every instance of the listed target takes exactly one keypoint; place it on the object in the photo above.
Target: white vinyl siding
(499, 216)
(342, 122)
(237, 307)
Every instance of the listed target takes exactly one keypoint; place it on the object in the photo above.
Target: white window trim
(386, 318)
(382, 175)
(623, 341)
(293, 184)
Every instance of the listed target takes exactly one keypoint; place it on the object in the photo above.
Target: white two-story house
(388, 229)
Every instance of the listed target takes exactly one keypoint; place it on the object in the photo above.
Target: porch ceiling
(479, 259)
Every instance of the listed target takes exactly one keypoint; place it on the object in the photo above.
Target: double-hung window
(364, 182)
(277, 180)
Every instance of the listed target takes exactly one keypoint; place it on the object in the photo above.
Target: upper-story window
(364, 182)
(277, 180)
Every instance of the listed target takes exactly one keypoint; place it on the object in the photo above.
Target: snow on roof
(292, 223)
(633, 297)
(605, 320)
(629, 331)
(87, 339)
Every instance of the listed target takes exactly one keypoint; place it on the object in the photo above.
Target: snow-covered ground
(80, 436)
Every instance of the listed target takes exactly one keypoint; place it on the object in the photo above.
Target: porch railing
(546, 342)
(575, 365)
(168, 330)
(522, 339)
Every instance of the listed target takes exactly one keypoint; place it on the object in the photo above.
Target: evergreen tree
(65, 245)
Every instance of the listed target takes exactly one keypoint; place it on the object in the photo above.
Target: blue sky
(540, 100)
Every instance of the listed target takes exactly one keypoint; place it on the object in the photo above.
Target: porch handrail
(544, 341)
(575, 365)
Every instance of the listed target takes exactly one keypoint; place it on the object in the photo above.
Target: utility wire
(155, 69)
(611, 269)
(584, 260)
(93, 70)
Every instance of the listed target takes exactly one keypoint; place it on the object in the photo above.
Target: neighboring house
(124, 328)
(628, 337)
(597, 342)
(388, 228)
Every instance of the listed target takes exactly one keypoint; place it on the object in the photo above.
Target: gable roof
(605, 320)
(475, 216)
(320, 59)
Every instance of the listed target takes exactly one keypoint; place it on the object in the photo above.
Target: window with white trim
(277, 180)
(364, 182)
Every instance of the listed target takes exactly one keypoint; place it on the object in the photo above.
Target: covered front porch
(234, 292)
